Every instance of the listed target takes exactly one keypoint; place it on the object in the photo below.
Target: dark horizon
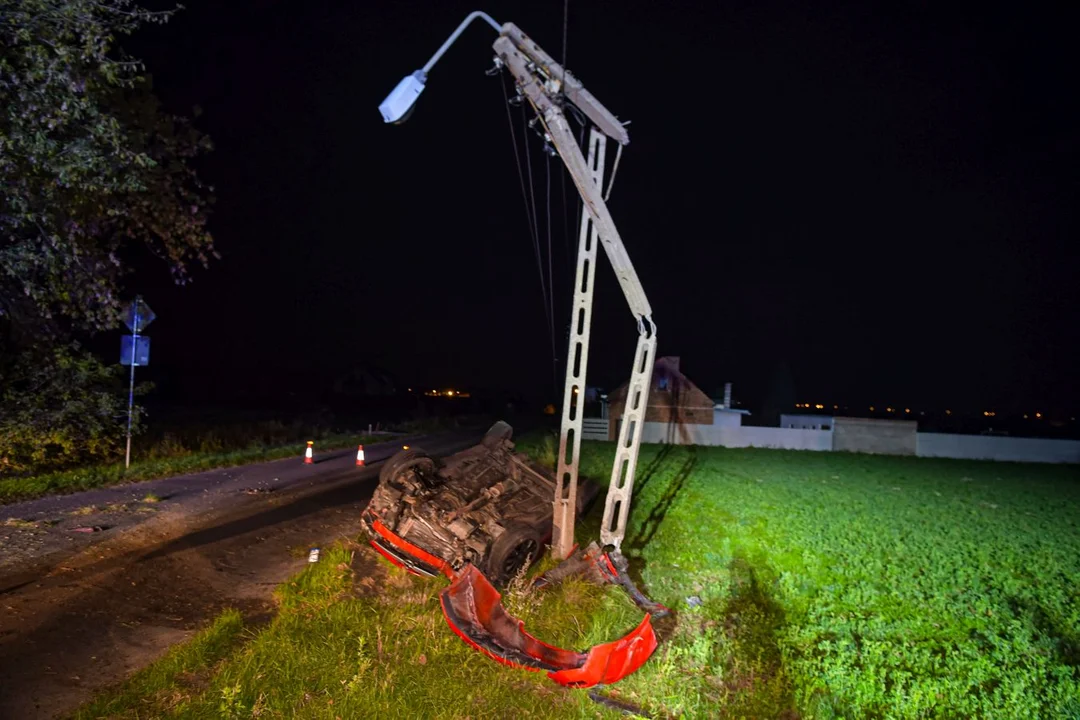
(879, 198)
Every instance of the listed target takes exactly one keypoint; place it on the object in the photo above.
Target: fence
(861, 437)
(594, 429)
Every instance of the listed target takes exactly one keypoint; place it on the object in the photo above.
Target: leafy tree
(90, 167)
(60, 407)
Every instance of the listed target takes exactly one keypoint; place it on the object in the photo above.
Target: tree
(90, 167)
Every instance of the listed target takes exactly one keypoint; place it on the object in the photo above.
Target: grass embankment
(167, 459)
(823, 585)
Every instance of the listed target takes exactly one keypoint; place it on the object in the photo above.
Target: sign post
(134, 350)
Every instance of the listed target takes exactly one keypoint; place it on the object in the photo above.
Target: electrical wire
(535, 222)
(551, 280)
(565, 29)
(530, 217)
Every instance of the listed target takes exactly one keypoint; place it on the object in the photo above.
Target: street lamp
(398, 105)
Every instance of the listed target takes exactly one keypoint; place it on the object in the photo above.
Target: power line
(532, 204)
(551, 280)
(530, 216)
(547, 291)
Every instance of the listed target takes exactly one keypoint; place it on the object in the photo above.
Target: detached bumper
(473, 609)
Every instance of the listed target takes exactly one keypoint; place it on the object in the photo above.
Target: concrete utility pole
(548, 86)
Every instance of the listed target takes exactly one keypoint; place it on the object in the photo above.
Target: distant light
(835, 407)
(986, 414)
(871, 408)
(449, 393)
(404, 447)
(1038, 415)
(907, 410)
(948, 412)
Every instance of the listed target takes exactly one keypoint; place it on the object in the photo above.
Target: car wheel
(499, 431)
(404, 460)
(519, 546)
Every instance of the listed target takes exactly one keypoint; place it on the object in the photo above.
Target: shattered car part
(487, 506)
(473, 608)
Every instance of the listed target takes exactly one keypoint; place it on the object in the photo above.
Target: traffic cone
(360, 456)
(308, 458)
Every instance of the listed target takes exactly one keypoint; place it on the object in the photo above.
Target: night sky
(880, 197)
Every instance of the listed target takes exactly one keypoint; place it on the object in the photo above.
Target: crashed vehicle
(480, 517)
(488, 506)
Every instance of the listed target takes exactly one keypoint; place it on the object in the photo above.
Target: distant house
(675, 401)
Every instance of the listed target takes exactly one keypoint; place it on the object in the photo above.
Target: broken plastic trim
(473, 608)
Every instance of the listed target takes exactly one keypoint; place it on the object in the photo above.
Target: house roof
(679, 386)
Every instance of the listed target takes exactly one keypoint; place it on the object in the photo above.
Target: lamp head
(398, 105)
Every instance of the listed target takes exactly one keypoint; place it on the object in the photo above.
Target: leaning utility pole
(545, 84)
(548, 86)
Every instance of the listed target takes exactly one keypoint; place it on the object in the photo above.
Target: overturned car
(487, 506)
(480, 517)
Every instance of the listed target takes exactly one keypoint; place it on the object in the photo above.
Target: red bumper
(473, 609)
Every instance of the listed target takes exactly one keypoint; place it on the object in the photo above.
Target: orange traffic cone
(308, 459)
(360, 457)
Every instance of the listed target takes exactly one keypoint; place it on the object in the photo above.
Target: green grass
(165, 684)
(830, 586)
(165, 463)
(336, 649)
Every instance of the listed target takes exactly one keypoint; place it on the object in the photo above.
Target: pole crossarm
(569, 85)
(563, 139)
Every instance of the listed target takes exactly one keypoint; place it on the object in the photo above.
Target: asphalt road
(79, 611)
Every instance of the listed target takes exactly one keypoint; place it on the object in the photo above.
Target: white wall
(964, 447)
(726, 418)
(737, 436)
(995, 447)
(809, 422)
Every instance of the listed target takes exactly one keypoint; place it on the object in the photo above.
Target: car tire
(519, 546)
(403, 460)
(499, 431)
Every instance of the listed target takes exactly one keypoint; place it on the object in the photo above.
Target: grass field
(830, 586)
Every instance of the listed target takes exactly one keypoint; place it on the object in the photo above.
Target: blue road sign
(142, 350)
(138, 315)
